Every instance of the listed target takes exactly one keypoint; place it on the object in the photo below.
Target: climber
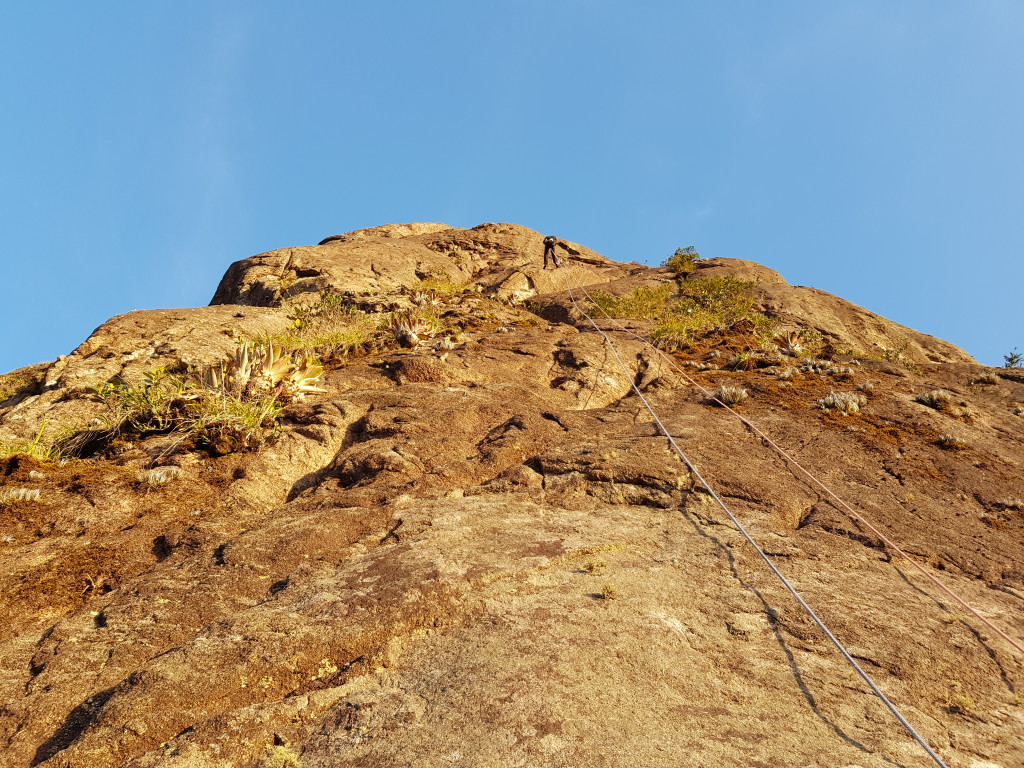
(549, 248)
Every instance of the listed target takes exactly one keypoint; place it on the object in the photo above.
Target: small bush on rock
(730, 395)
(844, 402)
(951, 443)
(985, 378)
(937, 399)
(683, 261)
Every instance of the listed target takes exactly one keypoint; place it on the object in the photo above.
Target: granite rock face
(486, 555)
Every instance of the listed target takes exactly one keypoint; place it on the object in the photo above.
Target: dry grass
(19, 494)
(730, 395)
(937, 399)
(844, 402)
(951, 443)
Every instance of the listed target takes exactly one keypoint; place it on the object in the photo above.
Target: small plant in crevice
(844, 402)
(937, 399)
(609, 592)
(741, 361)
(406, 328)
(957, 702)
(791, 344)
(427, 298)
(951, 443)
(280, 756)
(683, 261)
(806, 342)
(36, 447)
(786, 374)
(985, 378)
(729, 395)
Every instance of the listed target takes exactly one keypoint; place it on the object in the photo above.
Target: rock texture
(486, 556)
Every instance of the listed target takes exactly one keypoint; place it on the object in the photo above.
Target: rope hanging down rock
(792, 590)
(1017, 646)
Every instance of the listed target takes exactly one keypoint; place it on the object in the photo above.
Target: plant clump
(332, 328)
(697, 309)
(683, 261)
(35, 447)
(609, 592)
(844, 402)
(951, 443)
(259, 370)
(19, 494)
(642, 303)
(985, 378)
(710, 305)
(18, 383)
(729, 395)
(937, 399)
(409, 328)
(230, 406)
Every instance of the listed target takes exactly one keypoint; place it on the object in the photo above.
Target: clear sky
(869, 148)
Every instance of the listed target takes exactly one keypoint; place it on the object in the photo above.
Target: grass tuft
(844, 402)
(937, 399)
(951, 443)
(19, 494)
(730, 395)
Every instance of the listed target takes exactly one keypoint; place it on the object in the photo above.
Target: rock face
(485, 555)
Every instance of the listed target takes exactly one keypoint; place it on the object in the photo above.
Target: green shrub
(227, 407)
(683, 261)
(332, 327)
(1013, 360)
(642, 303)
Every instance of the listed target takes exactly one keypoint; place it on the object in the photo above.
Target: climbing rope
(792, 590)
(835, 497)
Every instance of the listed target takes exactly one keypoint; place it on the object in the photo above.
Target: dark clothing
(549, 249)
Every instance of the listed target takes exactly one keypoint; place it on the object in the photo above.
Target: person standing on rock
(549, 248)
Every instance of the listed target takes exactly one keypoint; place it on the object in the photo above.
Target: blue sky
(871, 149)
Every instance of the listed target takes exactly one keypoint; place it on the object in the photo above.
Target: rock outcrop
(482, 553)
